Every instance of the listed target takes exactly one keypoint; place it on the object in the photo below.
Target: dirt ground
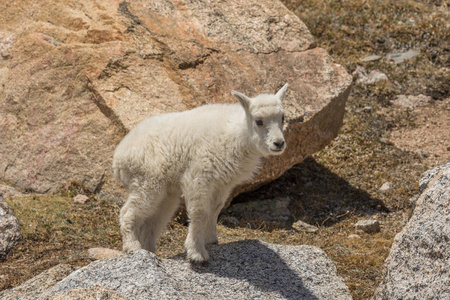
(338, 186)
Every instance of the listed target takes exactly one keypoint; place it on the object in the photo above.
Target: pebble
(354, 236)
(81, 199)
(385, 187)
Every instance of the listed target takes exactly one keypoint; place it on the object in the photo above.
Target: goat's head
(265, 118)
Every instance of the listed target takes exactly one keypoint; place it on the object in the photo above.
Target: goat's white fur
(202, 153)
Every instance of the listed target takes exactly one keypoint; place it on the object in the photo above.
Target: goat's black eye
(259, 122)
(282, 119)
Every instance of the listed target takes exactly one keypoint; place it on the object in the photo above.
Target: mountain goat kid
(202, 153)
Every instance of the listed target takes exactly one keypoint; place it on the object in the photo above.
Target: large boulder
(77, 75)
(239, 270)
(9, 229)
(418, 266)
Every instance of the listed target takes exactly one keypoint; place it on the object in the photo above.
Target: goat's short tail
(119, 174)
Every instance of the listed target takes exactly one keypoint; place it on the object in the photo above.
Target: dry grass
(332, 190)
(57, 230)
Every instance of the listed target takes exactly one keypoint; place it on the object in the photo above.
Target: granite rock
(77, 75)
(240, 270)
(9, 229)
(418, 264)
(37, 285)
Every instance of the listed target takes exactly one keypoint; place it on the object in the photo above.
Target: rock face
(418, 264)
(240, 270)
(9, 229)
(76, 75)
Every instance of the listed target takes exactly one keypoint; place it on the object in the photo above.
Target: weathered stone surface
(368, 226)
(34, 287)
(76, 75)
(418, 264)
(428, 176)
(101, 253)
(240, 270)
(9, 229)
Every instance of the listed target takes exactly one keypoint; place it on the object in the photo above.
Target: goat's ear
(280, 94)
(244, 100)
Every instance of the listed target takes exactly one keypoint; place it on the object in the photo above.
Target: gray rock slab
(418, 266)
(240, 270)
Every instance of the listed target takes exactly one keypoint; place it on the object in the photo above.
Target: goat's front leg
(219, 199)
(195, 241)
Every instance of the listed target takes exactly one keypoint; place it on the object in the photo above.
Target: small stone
(304, 227)
(385, 187)
(354, 236)
(371, 58)
(367, 108)
(81, 199)
(229, 221)
(410, 101)
(368, 226)
(361, 76)
(376, 76)
(400, 57)
(101, 253)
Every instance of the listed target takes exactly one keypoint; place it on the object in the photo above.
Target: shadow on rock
(318, 196)
(274, 271)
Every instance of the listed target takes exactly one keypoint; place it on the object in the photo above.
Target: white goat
(202, 153)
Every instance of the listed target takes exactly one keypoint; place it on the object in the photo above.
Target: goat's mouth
(277, 150)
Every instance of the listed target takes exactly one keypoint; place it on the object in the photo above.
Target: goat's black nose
(279, 144)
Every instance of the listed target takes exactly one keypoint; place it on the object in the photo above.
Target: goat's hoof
(198, 265)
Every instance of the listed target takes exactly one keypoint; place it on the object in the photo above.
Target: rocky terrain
(350, 199)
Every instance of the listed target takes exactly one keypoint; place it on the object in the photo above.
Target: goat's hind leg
(157, 218)
(131, 221)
